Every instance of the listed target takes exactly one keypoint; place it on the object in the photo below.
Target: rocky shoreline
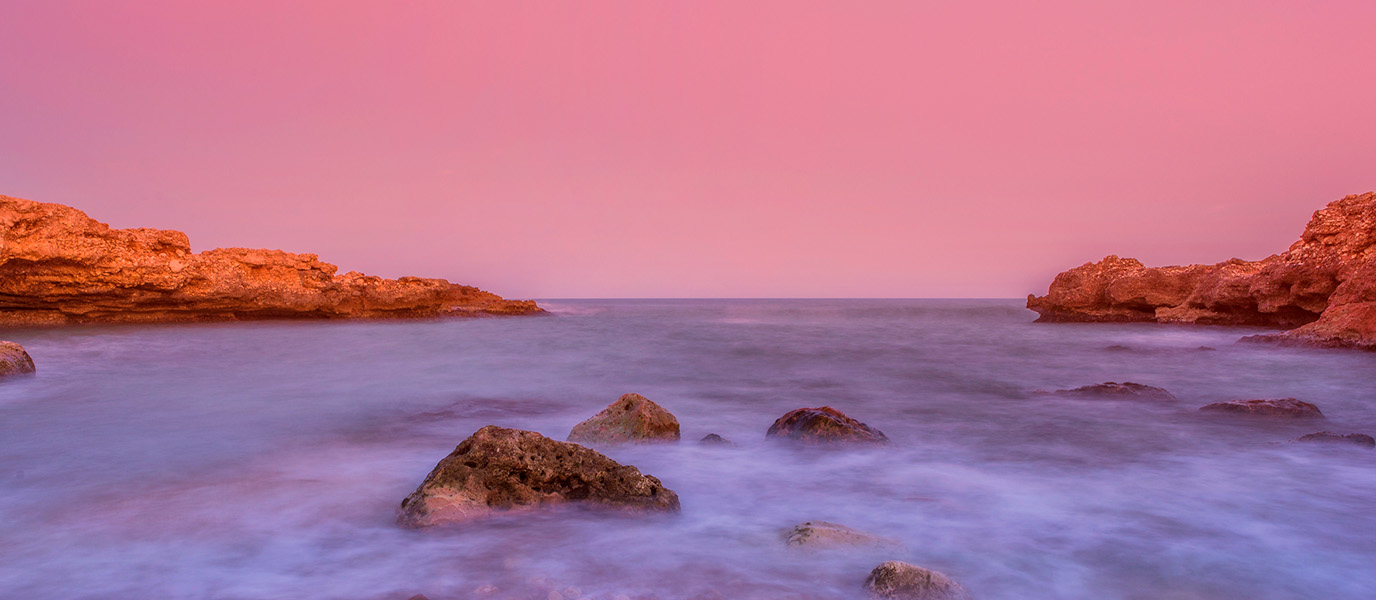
(1322, 289)
(58, 266)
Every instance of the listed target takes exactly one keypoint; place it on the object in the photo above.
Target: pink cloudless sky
(698, 149)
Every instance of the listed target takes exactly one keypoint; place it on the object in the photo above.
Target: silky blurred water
(267, 460)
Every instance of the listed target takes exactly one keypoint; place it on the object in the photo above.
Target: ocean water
(267, 460)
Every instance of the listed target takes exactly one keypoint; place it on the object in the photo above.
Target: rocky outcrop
(713, 439)
(824, 535)
(1289, 408)
(1328, 437)
(498, 469)
(632, 418)
(824, 425)
(901, 581)
(1323, 289)
(1119, 391)
(58, 266)
(14, 360)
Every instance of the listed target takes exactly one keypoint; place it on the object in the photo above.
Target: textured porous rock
(632, 418)
(1323, 288)
(1277, 407)
(14, 360)
(498, 469)
(58, 266)
(1328, 437)
(901, 581)
(824, 535)
(824, 425)
(1126, 390)
(713, 439)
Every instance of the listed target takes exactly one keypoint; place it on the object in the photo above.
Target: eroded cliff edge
(1323, 289)
(59, 266)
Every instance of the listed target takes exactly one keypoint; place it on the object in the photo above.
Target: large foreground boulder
(824, 425)
(14, 360)
(1119, 391)
(824, 535)
(632, 418)
(1289, 408)
(901, 581)
(1328, 437)
(498, 469)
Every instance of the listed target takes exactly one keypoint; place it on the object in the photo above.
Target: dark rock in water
(1118, 348)
(498, 469)
(713, 439)
(1125, 390)
(14, 360)
(1206, 349)
(1277, 407)
(824, 425)
(902, 581)
(632, 418)
(1328, 437)
(824, 535)
(418, 597)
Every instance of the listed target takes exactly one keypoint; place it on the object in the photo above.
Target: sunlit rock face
(58, 265)
(499, 470)
(1323, 289)
(823, 426)
(14, 360)
(631, 419)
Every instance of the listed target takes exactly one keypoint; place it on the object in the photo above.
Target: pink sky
(698, 149)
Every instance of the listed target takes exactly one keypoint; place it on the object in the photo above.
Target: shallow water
(267, 460)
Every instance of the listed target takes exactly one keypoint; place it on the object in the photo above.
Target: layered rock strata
(1323, 289)
(59, 266)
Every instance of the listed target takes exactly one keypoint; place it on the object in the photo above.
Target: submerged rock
(498, 469)
(1277, 407)
(901, 581)
(1328, 437)
(632, 418)
(14, 360)
(824, 425)
(713, 439)
(1125, 390)
(824, 535)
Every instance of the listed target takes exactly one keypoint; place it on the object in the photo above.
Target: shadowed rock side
(896, 580)
(14, 360)
(824, 425)
(1324, 286)
(58, 266)
(632, 418)
(498, 469)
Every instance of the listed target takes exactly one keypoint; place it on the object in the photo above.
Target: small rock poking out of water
(824, 425)
(901, 581)
(632, 418)
(499, 469)
(1328, 437)
(824, 535)
(1125, 391)
(1288, 408)
(14, 360)
(713, 439)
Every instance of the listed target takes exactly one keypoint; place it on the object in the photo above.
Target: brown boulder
(1328, 437)
(58, 265)
(632, 418)
(901, 581)
(824, 425)
(824, 535)
(1323, 288)
(1277, 407)
(14, 360)
(1125, 390)
(498, 469)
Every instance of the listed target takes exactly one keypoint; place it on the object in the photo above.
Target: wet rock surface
(824, 535)
(59, 266)
(1124, 391)
(1285, 408)
(632, 418)
(1323, 288)
(901, 581)
(499, 469)
(1328, 437)
(824, 425)
(14, 360)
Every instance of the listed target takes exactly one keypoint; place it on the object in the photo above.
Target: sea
(267, 460)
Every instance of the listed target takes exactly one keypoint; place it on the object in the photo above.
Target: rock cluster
(632, 418)
(498, 469)
(14, 360)
(824, 425)
(1324, 286)
(58, 266)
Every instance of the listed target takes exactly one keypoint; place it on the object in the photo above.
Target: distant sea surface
(267, 460)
